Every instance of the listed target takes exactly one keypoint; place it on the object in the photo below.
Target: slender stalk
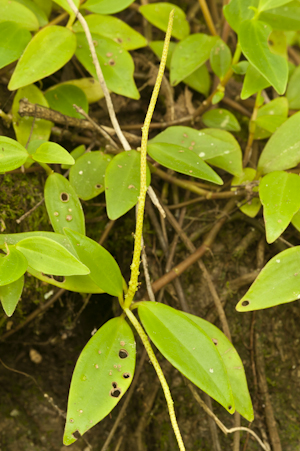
(208, 18)
(252, 128)
(46, 167)
(160, 375)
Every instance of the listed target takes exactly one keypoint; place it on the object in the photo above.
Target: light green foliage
(12, 154)
(65, 5)
(279, 194)
(76, 153)
(45, 5)
(221, 118)
(240, 68)
(248, 206)
(270, 117)
(122, 183)
(233, 364)
(107, 6)
(188, 348)
(285, 17)
(115, 29)
(103, 373)
(49, 152)
(89, 86)
(116, 63)
(158, 14)
(18, 13)
(104, 270)
(264, 5)
(277, 283)
(63, 206)
(254, 81)
(49, 50)
(37, 10)
(237, 11)
(62, 97)
(13, 40)
(10, 295)
(293, 90)
(12, 266)
(220, 58)
(87, 175)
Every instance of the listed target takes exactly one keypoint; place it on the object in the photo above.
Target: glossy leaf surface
(10, 295)
(187, 347)
(12, 266)
(15, 12)
(253, 37)
(63, 206)
(103, 373)
(116, 64)
(37, 11)
(236, 11)
(253, 82)
(279, 194)
(122, 183)
(12, 154)
(220, 58)
(285, 17)
(282, 151)
(50, 152)
(49, 257)
(189, 55)
(221, 118)
(65, 5)
(270, 117)
(104, 270)
(49, 50)
(107, 6)
(13, 40)
(62, 97)
(233, 364)
(249, 207)
(264, 5)
(76, 153)
(158, 14)
(293, 90)
(23, 126)
(182, 160)
(15, 238)
(115, 29)
(277, 283)
(296, 221)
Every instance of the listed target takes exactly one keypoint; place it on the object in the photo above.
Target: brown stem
(207, 17)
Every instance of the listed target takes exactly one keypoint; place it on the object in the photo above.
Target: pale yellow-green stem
(160, 375)
(133, 283)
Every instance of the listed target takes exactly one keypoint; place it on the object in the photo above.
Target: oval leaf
(253, 36)
(39, 12)
(116, 64)
(10, 295)
(49, 257)
(285, 17)
(293, 90)
(158, 14)
(104, 270)
(264, 5)
(49, 50)
(13, 40)
(12, 154)
(50, 152)
(65, 5)
(87, 175)
(15, 12)
(103, 373)
(89, 86)
(63, 206)
(76, 153)
(62, 97)
(12, 266)
(107, 6)
(15, 238)
(220, 118)
(236, 11)
(253, 82)
(270, 117)
(188, 348)
(220, 58)
(277, 283)
(233, 364)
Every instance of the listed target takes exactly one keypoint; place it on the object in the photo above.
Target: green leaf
(187, 347)
(277, 283)
(217, 147)
(12, 154)
(182, 160)
(49, 257)
(233, 364)
(264, 5)
(253, 82)
(115, 29)
(87, 175)
(293, 90)
(221, 118)
(12, 266)
(285, 17)
(116, 64)
(23, 126)
(107, 6)
(296, 221)
(103, 373)
(39, 13)
(49, 50)
(240, 68)
(10, 295)
(13, 40)
(65, 5)
(278, 43)
(189, 55)
(237, 11)
(122, 183)
(62, 97)
(45, 5)
(15, 12)
(248, 207)
(15, 238)
(279, 194)
(50, 152)
(104, 270)
(89, 86)
(76, 153)
(63, 206)
(270, 117)
(220, 58)
(253, 36)
(282, 151)
(158, 15)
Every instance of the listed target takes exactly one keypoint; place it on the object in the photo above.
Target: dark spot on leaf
(245, 303)
(119, 40)
(123, 354)
(64, 197)
(229, 407)
(111, 62)
(71, 420)
(215, 341)
(126, 375)
(115, 392)
(98, 186)
(114, 384)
